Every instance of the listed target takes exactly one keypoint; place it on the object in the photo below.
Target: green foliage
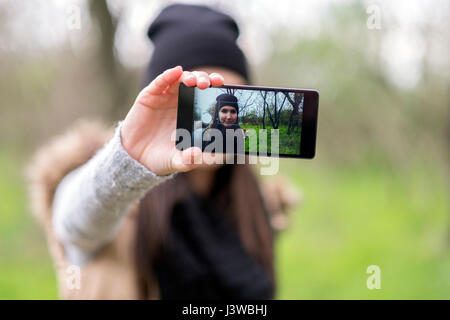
(359, 107)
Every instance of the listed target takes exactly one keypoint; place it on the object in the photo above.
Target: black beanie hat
(226, 99)
(194, 36)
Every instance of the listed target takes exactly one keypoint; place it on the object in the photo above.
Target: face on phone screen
(250, 114)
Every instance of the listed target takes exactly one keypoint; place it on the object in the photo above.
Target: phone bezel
(185, 115)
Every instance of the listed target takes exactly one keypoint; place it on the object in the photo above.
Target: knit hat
(194, 36)
(226, 99)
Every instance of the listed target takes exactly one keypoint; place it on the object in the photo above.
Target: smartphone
(263, 121)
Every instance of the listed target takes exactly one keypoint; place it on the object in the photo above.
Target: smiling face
(227, 116)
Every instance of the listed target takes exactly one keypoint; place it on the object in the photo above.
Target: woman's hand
(148, 126)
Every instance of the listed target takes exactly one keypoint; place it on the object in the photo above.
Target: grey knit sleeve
(92, 200)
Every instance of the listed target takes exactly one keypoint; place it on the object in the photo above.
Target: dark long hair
(245, 209)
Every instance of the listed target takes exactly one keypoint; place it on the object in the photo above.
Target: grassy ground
(288, 144)
(353, 218)
(26, 271)
(350, 219)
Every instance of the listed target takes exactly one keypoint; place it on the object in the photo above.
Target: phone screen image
(254, 120)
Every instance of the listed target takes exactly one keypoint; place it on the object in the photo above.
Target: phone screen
(254, 120)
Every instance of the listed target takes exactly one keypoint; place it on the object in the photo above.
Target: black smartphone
(264, 121)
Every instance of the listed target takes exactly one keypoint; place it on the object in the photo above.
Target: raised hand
(148, 126)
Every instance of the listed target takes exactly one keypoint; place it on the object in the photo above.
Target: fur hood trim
(57, 158)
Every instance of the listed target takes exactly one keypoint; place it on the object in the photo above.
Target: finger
(189, 79)
(164, 80)
(187, 159)
(216, 79)
(203, 81)
(209, 159)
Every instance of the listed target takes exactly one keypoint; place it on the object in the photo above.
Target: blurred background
(377, 192)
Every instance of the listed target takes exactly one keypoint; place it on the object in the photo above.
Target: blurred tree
(115, 76)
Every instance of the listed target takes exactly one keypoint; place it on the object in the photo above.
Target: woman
(137, 218)
(226, 118)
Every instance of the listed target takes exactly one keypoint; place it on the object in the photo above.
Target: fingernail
(215, 75)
